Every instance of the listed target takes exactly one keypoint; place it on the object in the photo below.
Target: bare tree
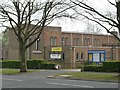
(98, 17)
(21, 17)
(92, 28)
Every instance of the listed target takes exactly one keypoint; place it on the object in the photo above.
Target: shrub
(31, 64)
(11, 64)
(34, 64)
(47, 66)
(107, 67)
(93, 68)
(111, 66)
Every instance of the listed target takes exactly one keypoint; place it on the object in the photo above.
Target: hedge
(47, 66)
(35, 64)
(107, 67)
(93, 68)
(31, 64)
(11, 64)
(111, 66)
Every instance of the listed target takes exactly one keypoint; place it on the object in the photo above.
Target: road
(39, 80)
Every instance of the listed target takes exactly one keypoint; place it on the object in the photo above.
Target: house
(69, 49)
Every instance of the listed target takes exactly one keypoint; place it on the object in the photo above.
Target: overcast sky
(80, 26)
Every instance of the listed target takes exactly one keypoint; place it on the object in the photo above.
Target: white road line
(11, 79)
(82, 86)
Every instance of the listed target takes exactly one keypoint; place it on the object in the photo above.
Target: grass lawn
(13, 71)
(92, 76)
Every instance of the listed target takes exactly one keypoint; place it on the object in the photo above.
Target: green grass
(93, 76)
(14, 71)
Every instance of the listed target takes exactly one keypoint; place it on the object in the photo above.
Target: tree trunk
(22, 56)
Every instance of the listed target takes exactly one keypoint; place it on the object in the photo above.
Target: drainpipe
(74, 58)
(2, 50)
(108, 40)
(71, 51)
(82, 39)
(71, 39)
(44, 52)
(92, 40)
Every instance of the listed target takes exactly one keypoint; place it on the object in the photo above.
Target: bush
(93, 68)
(31, 64)
(111, 66)
(11, 64)
(34, 64)
(107, 67)
(47, 66)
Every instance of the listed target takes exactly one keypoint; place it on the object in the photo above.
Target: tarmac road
(39, 80)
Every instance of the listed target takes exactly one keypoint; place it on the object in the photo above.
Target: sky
(80, 26)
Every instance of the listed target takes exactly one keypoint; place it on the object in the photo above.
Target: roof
(75, 32)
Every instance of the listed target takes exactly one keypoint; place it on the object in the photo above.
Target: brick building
(1, 51)
(67, 48)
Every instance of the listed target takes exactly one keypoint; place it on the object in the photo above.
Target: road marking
(11, 79)
(83, 86)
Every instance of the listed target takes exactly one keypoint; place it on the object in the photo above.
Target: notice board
(96, 55)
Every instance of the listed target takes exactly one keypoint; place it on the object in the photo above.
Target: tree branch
(85, 6)
(108, 30)
(112, 3)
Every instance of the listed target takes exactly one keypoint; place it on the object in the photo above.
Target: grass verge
(13, 71)
(92, 76)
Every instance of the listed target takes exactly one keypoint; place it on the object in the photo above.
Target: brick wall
(1, 51)
(70, 49)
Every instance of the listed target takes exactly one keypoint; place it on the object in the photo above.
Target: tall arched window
(53, 41)
(64, 40)
(78, 41)
(88, 41)
(96, 42)
(75, 41)
(85, 41)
